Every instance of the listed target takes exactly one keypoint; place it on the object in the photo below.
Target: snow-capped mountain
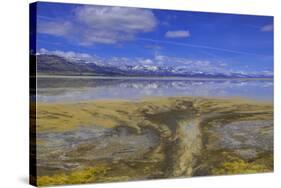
(85, 65)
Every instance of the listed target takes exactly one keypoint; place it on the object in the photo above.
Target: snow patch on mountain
(158, 66)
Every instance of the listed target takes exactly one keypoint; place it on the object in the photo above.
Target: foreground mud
(105, 141)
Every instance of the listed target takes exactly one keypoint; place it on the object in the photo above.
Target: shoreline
(101, 112)
(143, 78)
(157, 98)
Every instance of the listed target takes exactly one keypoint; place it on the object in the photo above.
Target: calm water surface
(66, 89)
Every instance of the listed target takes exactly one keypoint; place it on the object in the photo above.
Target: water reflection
(81, 89)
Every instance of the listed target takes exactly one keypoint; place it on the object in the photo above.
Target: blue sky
(207, 41)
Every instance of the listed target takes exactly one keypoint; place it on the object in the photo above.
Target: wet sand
(168, 137)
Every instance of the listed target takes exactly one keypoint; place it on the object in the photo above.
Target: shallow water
(84, 89)
(77, 89)
(62, 151)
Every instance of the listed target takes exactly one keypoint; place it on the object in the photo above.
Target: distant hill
(52, 64)
(58, 65)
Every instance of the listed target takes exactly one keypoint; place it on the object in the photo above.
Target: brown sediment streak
(183, 149)
(189, 146)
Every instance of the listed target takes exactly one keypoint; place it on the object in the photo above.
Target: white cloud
(159, 57)
(43, 51)
(71, 54)
(67, 55)
(55, 28)
(128, 20)
(146, 61)
(191, 65)
(267, 28)
(101, 24)
(177, 34)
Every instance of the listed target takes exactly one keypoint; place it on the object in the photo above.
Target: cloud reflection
(74, 90)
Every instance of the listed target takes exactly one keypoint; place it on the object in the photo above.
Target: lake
(76, 89)
(156, 138)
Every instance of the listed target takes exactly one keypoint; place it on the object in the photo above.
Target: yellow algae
(190, 131)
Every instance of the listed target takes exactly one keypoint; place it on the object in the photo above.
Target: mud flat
(114, 140)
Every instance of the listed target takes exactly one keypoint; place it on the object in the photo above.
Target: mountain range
(59, 65)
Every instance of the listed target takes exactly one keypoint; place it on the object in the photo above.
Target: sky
(121, 35)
